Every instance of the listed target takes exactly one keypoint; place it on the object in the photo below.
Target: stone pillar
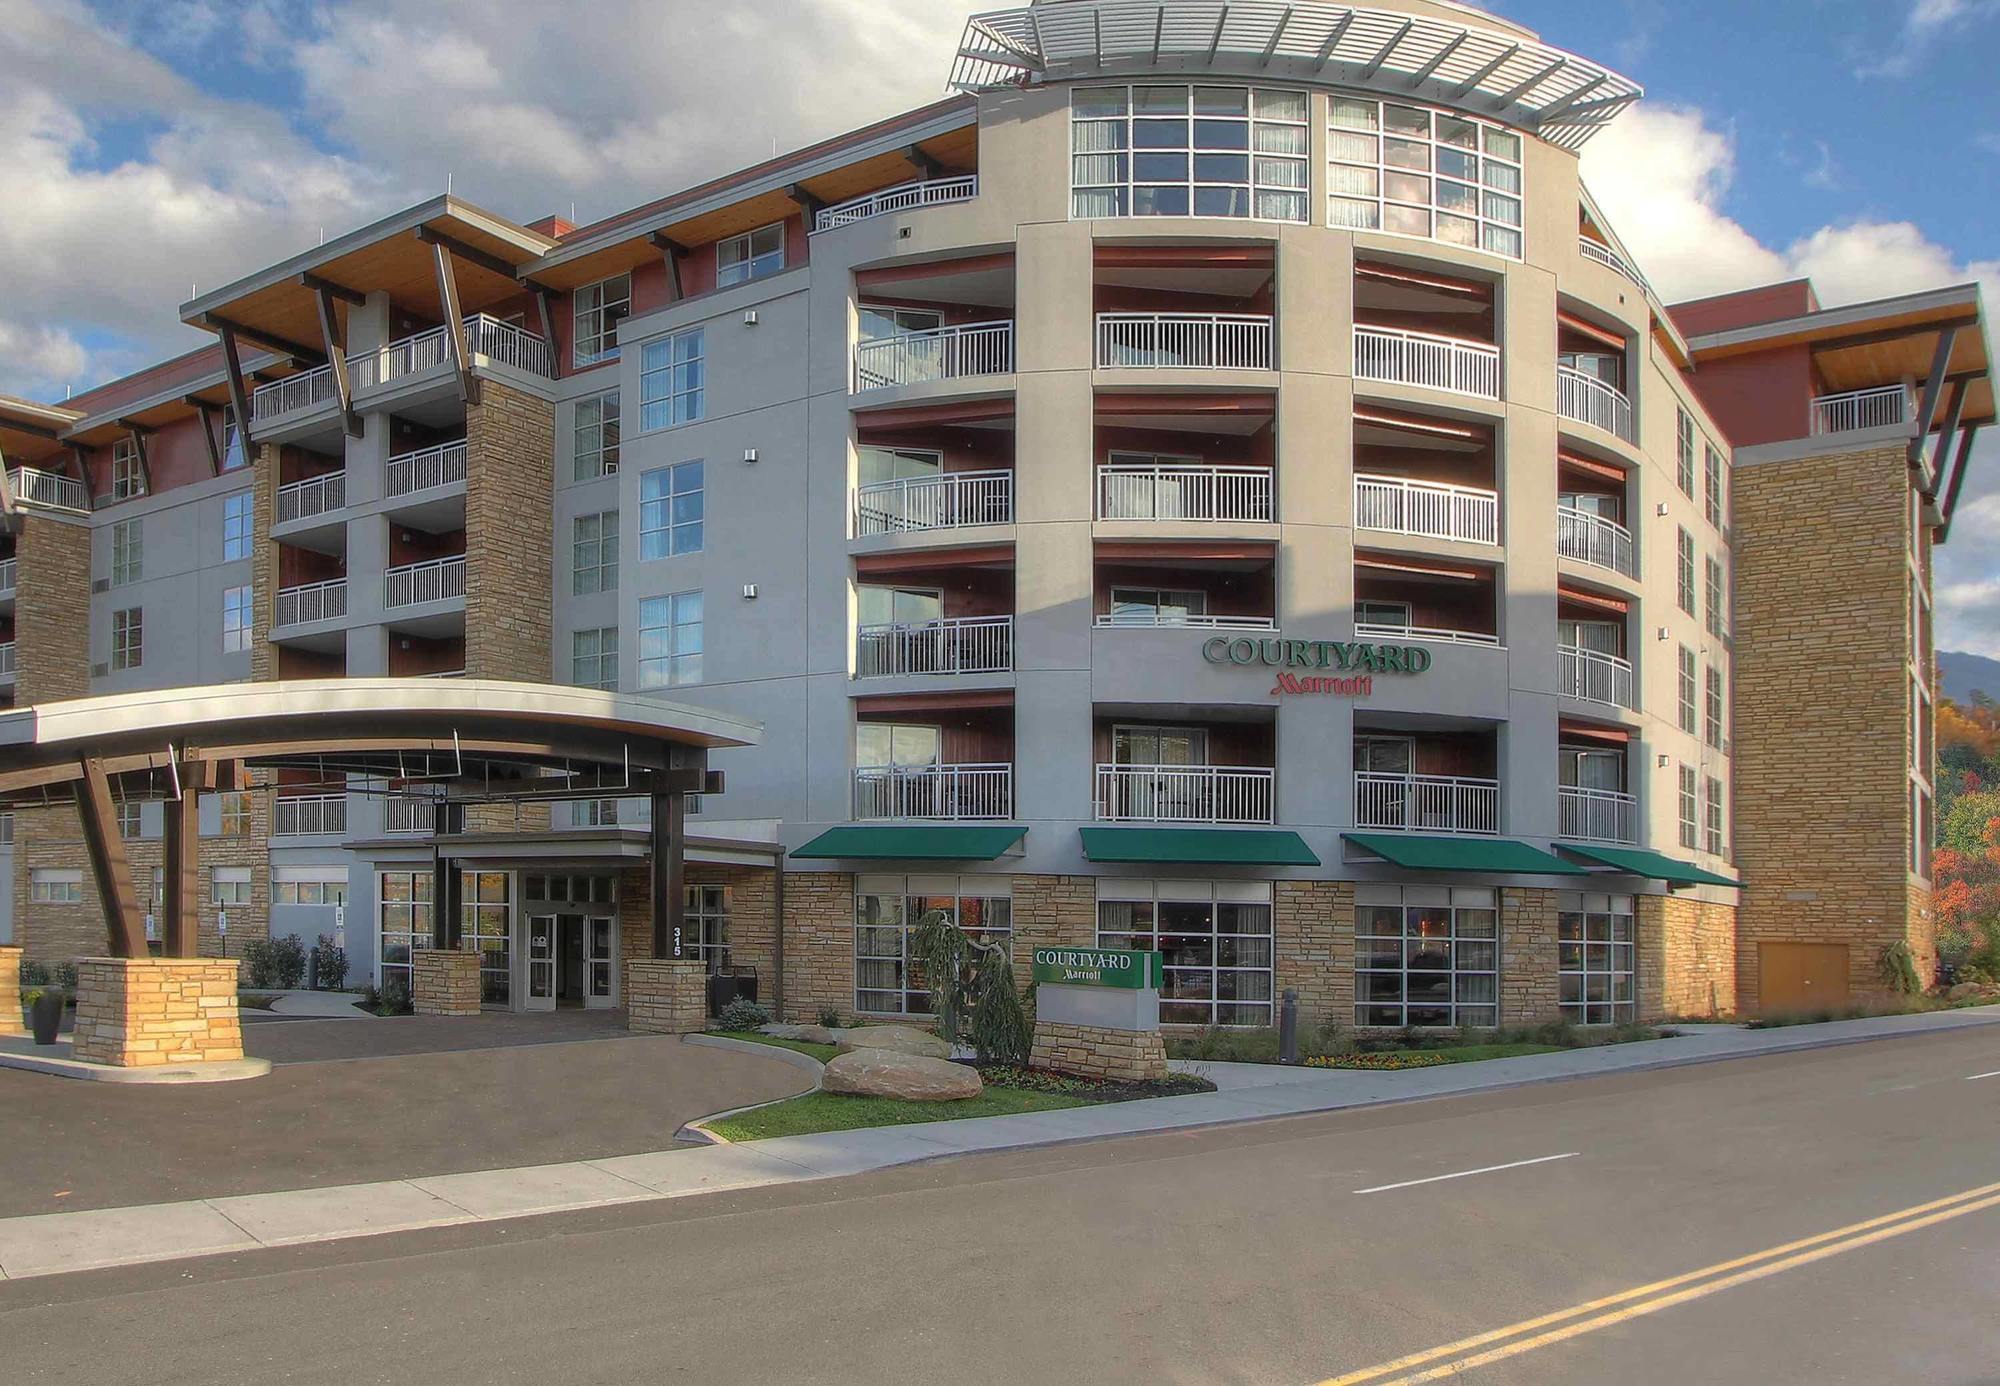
(1313, 926)
(1529, 991)
(444, 981)
(665, 997)
(150, 1012)
(1098, 1051)
(10, 993)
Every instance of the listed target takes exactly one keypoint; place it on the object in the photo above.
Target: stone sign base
(444, 982)
(1095, 1051)
(149, 1012)
(665, 997)
(10, 993)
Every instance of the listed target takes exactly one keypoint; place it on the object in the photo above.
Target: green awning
(1207, 846)
(1636, 861)
(1494, 855)
(913, 842)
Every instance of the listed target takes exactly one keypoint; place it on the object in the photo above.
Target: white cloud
(1925, 26)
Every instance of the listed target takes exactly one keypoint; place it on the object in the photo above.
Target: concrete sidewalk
(62, 1242)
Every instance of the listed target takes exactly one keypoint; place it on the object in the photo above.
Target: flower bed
(1382, 1061)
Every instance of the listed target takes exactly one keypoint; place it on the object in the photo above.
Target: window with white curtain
(1154, 150)
(888, 974)
(1413, 171)
(1426, 955)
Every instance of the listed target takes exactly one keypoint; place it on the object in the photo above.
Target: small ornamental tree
(972, 991)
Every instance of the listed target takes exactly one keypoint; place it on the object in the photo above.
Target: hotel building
(1215, 482)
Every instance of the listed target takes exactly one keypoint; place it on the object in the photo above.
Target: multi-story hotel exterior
(1215, 483)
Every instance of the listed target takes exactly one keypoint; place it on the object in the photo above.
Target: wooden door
(1801, 976)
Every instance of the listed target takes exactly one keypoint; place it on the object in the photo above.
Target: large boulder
(906, 1077)
(1968, 991)
(904, 1039)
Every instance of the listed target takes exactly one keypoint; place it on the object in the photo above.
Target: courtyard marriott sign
(1361, 662)
(1126, 968)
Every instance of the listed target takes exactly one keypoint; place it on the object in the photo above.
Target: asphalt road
(1249, 1254)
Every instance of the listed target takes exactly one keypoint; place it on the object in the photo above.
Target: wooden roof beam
(340, 291)
(471, 254)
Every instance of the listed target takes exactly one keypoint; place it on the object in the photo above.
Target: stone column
(150, 1012)
(665, 997)
(1529, 992)
(10, 993)
(444, 981)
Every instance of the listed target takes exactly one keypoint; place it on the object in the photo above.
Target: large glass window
(600, 307)
(672, 508)
(1426, 956)
(1595, 950)
(888, 977)
(403, 922)
(594, 437)
(237, 526)
(1215, 938)
(128, 552)
(750, 256)
(1419, 172)
(670, 640)
(486, 912)
(672, 380)
(594, 658)
(1176, 151)
(235, 620)
(594, 553)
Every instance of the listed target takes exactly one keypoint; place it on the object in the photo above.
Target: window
(233, 453)
(1595, 948)
(888, 978)
(1380, 613)
(237, 526)
(232, 814)
(594, 553)
(594, 658)
(1215, 938)
(128, 477)
(594, 437)
(671, 378)
(1689, 824)
(1689, 712)
(235, 619)
(1426, 955)
(1684, 452)
(876, 465)
(1712, 595)
(708, 925)
(671, 508)
(55, 886)
(7, 829)
(1175, 151)
(600, 307)
(230, 885)
(489, 915)
(875, 605)
(128, 552)
(906, 745)
(131, 820)
(1712, 487)
(1685, 591)
(1151, 606)
(1417, 172)
(750, 256)
(323, 885)
(1712, 709)
(1711, 812)
(403, 922)
(670, 640)
(128, 638)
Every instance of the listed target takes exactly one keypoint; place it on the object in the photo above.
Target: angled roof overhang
(1478, 64)
(31, 432)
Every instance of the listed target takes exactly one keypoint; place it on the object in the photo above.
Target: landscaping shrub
(1001, 1031)
(274, 964)
(329, 964)
(35, 974)
(64, 976)
(829, 1017)
(744, 1014)
(394, 997)
(1898, 968)
(942, 950)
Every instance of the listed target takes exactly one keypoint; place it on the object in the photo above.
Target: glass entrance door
(600, 965)
(540, 991)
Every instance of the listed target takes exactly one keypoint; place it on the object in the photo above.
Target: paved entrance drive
(354, 1101)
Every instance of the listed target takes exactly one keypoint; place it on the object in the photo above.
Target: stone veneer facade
(664, 997)
(150, 1012)
(1095, 1051)
(10, 990)
(444, 981)
(510, 472)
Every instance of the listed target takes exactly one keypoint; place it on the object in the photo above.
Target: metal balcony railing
(439, 579)
(1592, 539)
(300, 500)
(1186, 793)
(1883, 407)
(314, 601)
(1426, 803)
(293, 393)
(939, 353)
(903, 198)
(1606, 256)
(502, 343)
(405, 814)
(1184, 491)
(1154, 619)
(1597, 677)
(1429, 509)
(1597, 815)
(1422, 358)
(442, 465)
(1586, 399)
(33, 486)
(1199, 341)
(948, 500)
(309, 815)
(1376, 630)
(958, 645)
(934, 791)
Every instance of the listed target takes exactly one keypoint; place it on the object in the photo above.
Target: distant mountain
(1961, 675)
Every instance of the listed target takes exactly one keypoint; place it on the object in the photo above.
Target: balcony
(1597, 815)
(1585, 399)
(1586, 538)
(1451, 364)
(1185, 793)
(301, 500)
(934, 791)
(939, 353)
(1382, 630)
(1609, 258)
(1426, 509)
(403, 815)
(7, 666)
(1596, 677)
(487, 339)
(947, 500)
(413, 584)
(964, 645)
(309, 815)
(32, 486)
(10, 570)
(443, 465)
(1889, 406)
(294, 393)
(1184, 491)
(314, 601)
(906, 197)
(1186, 341)
(1166, 620)
(1426, 803)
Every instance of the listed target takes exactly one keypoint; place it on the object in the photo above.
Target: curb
(697, 1130)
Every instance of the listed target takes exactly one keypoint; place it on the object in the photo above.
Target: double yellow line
(1532, 1334)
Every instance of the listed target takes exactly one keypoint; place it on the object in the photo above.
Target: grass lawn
(827, 1111)
(822, 1052)
(1472, 1053)
(256, 1003)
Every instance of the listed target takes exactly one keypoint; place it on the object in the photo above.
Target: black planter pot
(45, 1016)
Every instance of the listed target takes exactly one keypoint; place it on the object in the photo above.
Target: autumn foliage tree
(1965, 868)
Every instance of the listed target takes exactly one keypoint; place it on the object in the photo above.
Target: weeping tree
(972, 991)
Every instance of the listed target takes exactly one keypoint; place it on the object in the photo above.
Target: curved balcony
(902, 198)
(948, 500)
(1427, 509)
(1586, 538)
(1186, 341)
(934, 791)
(1451, 364)
(958, 645)
(1186, 793)
(1585, 399)
(938, 353)
(1184, 491)
(1371, 630)
(1426, 803)
(1162, 620)
(1597, 815)
(1596, 677)
(1609, 258)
